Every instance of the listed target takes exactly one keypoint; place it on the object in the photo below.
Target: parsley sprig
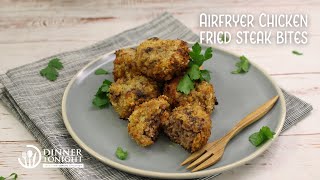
(12, 176)
(243, 66)
(297, 53)
(101, 99)
(50, 72)
(101, 71)
(261, 137)
(121, 154)
(186, 84)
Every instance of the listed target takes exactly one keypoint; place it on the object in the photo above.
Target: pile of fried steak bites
(145, 93)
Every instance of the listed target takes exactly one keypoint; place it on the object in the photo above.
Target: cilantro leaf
(205, 75)
(196, 55)
(261, 137)
(55, 63)
(121, 154)
(101, 99)
(243, 66)
(107, 82)
(208, 53)
(50, 73)
(101, 102)
(267, 132)
(12, 176)
(238, 71)
(199, 60)
(194, 72)
(105, 88)
(101, 71)
(196, 58)
(297, 53)
(256, 138)
(185, 84)
(244, 63)
(196, 48)
(15, 176)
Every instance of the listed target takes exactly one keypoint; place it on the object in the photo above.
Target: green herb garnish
(297, 53)
(261, 137)
(243, 66)
(55, 63)
(50, 72)
(101, 71)
(121, 154)
(205, 75)
(12, 176)
(101, 99)
(224, 38)
(186, 84)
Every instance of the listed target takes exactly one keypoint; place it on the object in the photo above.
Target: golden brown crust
(140, 74)
(203, 95)
(189, 126)
(144, 122)
(124, 64)
(125, 94)
(162, 59)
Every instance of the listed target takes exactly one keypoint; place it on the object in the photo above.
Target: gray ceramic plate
(100, 132)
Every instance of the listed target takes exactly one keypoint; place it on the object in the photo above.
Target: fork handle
(251, 118)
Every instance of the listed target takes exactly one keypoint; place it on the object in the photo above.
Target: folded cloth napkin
(37, 101)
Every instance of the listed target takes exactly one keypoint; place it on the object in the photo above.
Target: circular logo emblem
(30, 158)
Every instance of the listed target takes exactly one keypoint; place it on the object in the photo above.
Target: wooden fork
(212, 152)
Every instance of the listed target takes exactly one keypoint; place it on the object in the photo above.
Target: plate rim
(184, 175)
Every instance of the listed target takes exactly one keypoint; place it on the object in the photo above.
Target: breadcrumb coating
(189, 126)
(125, 94)
(124, 64)
(141, 75)
(162, 59)
(144, 122)
(203, 94)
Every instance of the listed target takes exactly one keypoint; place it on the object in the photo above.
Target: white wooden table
(33, 29)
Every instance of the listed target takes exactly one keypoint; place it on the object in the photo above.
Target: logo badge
(30, 158)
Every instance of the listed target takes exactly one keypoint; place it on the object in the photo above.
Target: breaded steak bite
(203, 95)
(124, 64)
(162, 59)
(125, 94)
(189, 126)
(145, 120)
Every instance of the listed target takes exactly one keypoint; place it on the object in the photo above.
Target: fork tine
(193, 156)
(200, 160)
(197, 154)
(212, 160)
